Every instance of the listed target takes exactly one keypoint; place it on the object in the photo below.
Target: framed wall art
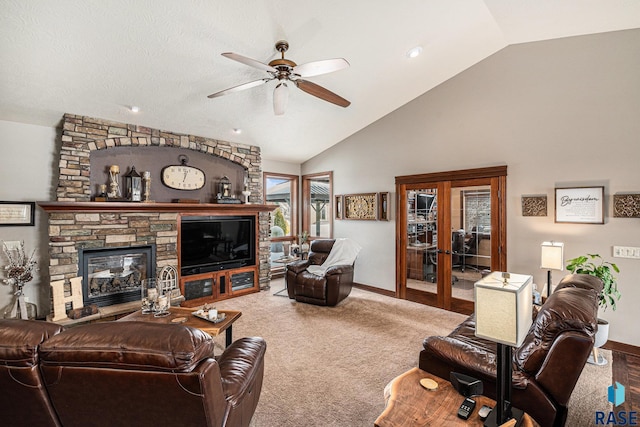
(17, 213)
(338, 206)
(383, 206)
(626, 205)
(534, 205)
(582, 205)
(360, 206)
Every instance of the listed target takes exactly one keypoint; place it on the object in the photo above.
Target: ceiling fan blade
(250, 62)
(322, 93)
(316, 68)
(280, 98)
(239, 88)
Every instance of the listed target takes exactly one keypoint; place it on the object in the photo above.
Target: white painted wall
(558, 113)
(27, 156)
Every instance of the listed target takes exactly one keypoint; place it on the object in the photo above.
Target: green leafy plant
(595, 265)
(280, 221)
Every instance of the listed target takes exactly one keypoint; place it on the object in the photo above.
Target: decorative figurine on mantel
(19, 273)
(225, 194)
(246, 192)
(114, 185)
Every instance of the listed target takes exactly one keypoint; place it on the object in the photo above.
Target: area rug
(329, 365)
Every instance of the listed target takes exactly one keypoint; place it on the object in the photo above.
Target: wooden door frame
(497, 176)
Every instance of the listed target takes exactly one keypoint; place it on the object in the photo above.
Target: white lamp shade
(503, 312)
(552, 255)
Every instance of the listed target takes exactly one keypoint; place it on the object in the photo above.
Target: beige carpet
(329, 365)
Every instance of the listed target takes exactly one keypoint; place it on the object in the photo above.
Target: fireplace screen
(114, 275)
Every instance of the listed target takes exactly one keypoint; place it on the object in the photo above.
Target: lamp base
(516, 414)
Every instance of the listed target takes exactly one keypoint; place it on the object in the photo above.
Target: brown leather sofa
(127, 373)
(546, 366)
(307, 287)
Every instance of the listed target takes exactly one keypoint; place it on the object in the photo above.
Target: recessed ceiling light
(135, 109)
(412, 53)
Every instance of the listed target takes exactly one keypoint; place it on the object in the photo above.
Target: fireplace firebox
(114, 275)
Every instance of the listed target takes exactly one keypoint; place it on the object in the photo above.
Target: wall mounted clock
(182, 176)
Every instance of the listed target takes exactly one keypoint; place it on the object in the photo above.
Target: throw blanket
(343, 252)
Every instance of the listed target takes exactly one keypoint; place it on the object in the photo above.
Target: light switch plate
(626, 252)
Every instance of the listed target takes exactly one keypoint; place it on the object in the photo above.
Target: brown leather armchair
(328, 290)
(24, 400)
(147, 374)
(546, 366)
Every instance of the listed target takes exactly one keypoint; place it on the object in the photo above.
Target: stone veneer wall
(69, 231)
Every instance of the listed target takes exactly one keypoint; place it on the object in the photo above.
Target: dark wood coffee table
(213, 329)
(410, 404)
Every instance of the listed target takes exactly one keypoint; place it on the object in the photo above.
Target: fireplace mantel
(152, 207)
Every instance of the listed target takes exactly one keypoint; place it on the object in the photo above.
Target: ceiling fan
(287, 71)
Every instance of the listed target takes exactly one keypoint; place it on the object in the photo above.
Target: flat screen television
(213, 243)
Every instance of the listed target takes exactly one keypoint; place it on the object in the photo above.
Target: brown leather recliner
(307, 287)
(546, 366)
(147, 374)
(24, 400)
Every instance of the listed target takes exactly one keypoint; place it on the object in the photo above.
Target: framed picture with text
(580, 205)
(17, 213)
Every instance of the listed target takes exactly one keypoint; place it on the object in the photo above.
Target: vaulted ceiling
(99, 58)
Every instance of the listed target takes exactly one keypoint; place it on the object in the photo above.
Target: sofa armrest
(241, 367)
(339, 269)
(566, 359)
(298, 266)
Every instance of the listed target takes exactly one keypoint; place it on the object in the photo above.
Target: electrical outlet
(626, 252)
(12, 245)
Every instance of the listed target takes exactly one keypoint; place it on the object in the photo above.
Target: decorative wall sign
(626, 205)
(383, 206)
(360, 206)
(534, 205)
(580, 205)
(17, 213)
(338, 206)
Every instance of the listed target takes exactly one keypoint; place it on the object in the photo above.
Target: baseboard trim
(385, 292)
(622, 348)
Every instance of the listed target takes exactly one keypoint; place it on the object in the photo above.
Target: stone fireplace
(74, 231)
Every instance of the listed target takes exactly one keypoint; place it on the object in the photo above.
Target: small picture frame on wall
(17, 213)
(580, 205)
(338, 206)
(534, 205)
(383, 206)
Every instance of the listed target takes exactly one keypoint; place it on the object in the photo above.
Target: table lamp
(551, 258)
(503, 309)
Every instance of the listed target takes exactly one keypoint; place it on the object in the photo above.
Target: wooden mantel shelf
(151, 207)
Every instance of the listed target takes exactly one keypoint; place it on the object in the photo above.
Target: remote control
(483, 413)
(466, 408)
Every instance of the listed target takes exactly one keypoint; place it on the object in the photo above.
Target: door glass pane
(320, 207)
(470, 238)
(422, 239)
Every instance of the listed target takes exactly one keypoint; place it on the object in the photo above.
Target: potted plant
(595, 265)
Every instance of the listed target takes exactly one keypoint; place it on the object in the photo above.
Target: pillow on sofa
(567, 309)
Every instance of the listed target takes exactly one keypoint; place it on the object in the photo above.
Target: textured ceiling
(99, 57)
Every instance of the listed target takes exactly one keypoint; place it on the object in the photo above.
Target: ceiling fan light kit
(284, 70)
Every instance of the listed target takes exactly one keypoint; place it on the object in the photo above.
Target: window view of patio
(281, 190)
(317, 220)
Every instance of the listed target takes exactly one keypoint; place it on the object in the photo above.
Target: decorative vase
(601, 337)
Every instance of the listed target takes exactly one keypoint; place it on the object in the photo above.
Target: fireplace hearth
(114, 275)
